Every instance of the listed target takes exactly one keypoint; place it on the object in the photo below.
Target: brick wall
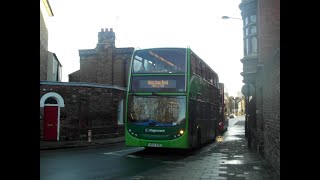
(86, 107)
(118, 72)
(121, 65)
(105, 64)
(269, 56)
(271, 115)
(89, 69)
(97, 67)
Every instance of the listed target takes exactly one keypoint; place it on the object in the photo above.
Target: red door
(50, 123)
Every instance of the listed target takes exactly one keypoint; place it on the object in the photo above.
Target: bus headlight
(181, 131)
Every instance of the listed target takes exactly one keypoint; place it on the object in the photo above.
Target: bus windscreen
(157, 110)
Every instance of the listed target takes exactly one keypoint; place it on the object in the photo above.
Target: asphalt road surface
(114, 161)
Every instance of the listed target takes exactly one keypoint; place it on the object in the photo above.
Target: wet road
(113, 162)
(116, 161)
(102, 163)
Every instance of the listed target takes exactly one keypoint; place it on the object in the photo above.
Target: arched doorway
(51, 102)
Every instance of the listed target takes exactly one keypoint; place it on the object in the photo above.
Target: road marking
(115, 152)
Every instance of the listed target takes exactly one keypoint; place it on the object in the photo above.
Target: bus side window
(192, 109)
(142, 69)
(198, 107)
(193, 64)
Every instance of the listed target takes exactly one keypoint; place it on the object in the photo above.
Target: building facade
(261, 69)
(93, 100)
(50, 66)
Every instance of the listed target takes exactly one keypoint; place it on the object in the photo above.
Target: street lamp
(228, 17)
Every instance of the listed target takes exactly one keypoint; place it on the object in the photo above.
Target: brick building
(261, 69)
(105, 64)
(93, 99)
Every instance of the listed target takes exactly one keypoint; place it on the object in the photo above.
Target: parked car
(223, 125)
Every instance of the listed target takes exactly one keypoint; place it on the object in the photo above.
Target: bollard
(89, 136)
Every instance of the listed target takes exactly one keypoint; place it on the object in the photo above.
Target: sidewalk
(47, 145)
(240, 162)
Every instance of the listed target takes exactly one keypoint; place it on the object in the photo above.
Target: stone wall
(87, 106)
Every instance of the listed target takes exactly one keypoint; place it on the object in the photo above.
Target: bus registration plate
(154, 145)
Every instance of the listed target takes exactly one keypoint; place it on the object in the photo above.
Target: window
(162, 111)
(51, 100)
(246, 21)
(137, 63)
(254, 44)
(244, 48)
(212, 111)
(202, 71)
(247, 46)
(211, 77)
(253, 30)
(198, 110)
(203, 111)
(162, 60)
(192, 109)
(55, 70)
(253, 18)
(198, 68)
(208, 111)
(246, 31)
(193, 64)
(120, 112)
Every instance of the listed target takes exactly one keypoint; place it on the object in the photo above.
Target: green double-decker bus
(172, 101)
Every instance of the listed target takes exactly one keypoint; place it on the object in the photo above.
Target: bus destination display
(157, 84)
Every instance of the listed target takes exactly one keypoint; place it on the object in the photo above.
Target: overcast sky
(152, 23)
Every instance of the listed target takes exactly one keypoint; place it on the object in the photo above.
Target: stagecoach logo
(154, 130)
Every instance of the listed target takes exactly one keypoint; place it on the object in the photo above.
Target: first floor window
(254, 44)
